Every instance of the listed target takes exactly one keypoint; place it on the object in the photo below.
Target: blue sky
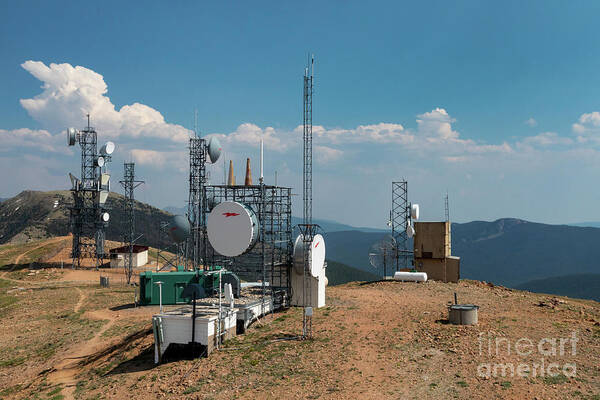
(496, 102)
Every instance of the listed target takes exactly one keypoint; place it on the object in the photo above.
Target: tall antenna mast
(307, 228)
(129, 183)
(307, 170)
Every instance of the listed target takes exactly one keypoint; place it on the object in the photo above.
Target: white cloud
(588, 127)
(148, 157)
(325, 154)
(531, 122)
(436, 125)
(33, 140)
(547, 139)
(376, 133)
(434, 135)
(248, 134)
(69, 93)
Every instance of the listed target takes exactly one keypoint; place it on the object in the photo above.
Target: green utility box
(173, 284)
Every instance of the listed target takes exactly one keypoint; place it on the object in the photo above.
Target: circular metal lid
(464, 307)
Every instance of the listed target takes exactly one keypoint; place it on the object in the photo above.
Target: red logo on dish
(230, 214)
(317, 244)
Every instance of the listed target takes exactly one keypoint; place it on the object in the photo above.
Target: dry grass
(382, 340)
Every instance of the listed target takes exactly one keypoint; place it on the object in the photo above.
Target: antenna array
(88, 215)
(399, 216)
(129, 183)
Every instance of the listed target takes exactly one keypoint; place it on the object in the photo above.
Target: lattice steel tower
(88, 214)
(399, 217)
(196, 209)
(307, 229)
(129, 183)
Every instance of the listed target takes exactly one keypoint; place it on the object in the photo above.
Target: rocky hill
(33, 215)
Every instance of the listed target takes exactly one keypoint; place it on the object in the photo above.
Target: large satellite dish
(232, 228)
(179, 229)
(383, 253)
(214, 149)
(316, 256)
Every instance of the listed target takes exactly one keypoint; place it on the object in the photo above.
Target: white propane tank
(410, 276)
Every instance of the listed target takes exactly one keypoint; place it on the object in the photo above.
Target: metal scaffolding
(399, 216)
(129, 184)
(89, 196)
(271, 257)
(196, 215)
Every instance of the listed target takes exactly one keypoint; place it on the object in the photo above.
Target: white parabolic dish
(232, 228)
(317, 255)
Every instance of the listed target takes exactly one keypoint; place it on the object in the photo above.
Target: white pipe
(261, 161)
(219, 319)
(410, 276)
(159, 283)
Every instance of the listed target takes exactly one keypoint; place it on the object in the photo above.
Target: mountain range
(510, 252)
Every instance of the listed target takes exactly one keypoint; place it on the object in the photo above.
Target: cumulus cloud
(434, 135)
(436, 125)
(587, 128)
(376, 133)
(531, 122)
(248, 134)
(16, 139)
(69, 93)
(148, 157)
(547, 139)
(326, 154)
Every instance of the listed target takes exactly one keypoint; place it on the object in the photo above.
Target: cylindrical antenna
(248, 180)
(261, 162)
(231, 180)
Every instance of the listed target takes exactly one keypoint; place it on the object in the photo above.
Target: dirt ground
(62, 336)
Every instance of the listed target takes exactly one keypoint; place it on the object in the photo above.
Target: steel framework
(85, 214)
(399, 216)
(129, 184)
(307, 229)
(196, 214)
(270, 259)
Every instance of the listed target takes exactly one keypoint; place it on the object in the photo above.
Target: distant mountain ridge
(586, 224)
(585, 286)
(508, 251)
(326, 225)
(32, 215)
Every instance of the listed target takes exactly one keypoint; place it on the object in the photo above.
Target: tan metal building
(433, 251)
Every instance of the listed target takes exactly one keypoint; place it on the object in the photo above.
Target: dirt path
(66, 370)
(82, 297)
(19, 257)
(44, 243)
